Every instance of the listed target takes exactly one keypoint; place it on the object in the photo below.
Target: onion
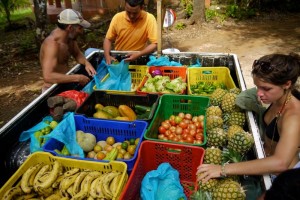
(156, 72)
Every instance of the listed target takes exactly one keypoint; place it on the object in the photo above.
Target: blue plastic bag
(162, 61)
(29, 134)
(197, 64)
(65, 132)
(101, 73)
(119, 78)
(162, 184)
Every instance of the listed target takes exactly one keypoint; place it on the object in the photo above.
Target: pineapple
(201, 195)
(229, 190)
(213, 122)
(233, 129)
(231, 156)
(214, 111)
(216, 96)
(209, 185)
(237, 118)
(241, 142)
(213, 155)
(235, 90)
(228, 103)
(216, 137)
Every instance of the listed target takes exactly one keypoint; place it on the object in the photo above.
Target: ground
(21, 77)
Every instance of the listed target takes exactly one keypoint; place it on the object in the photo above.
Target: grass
(16, 16)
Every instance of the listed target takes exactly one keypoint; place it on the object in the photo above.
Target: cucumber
(142, 109)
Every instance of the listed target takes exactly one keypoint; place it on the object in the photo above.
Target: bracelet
(223, 172)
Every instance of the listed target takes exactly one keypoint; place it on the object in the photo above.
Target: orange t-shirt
(129, 36)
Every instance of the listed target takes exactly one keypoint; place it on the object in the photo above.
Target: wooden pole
(160, 18)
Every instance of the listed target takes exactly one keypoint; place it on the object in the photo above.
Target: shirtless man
(59, 46)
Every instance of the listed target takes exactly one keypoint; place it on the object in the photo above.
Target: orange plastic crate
(172, 72)
(184, 158)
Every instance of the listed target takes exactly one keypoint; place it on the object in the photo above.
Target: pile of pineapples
(227, 142)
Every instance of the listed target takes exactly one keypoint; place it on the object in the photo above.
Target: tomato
(177, 119)
(178, 130)
(183, 125)
(198, 142)
(172, 122)
(172, 117)
(192, 127)
(165, 125)
(175, 139)
(201, 118)
(192, 132)
(189, 139)
(162, 130)
(171, 136)
(181, 114)
(184, 136)
(187, 121)
(195, 119)
(199, 136)
(188, 116)
(185, 131)
(160, 136)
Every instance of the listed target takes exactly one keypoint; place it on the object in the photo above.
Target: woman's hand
(208, 171)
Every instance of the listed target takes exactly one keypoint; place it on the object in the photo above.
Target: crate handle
(188, 101)
(168, 71)
(172, 150)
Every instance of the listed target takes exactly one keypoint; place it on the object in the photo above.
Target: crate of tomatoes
(179, 119)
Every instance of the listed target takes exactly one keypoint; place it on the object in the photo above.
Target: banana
(12, 193)
(27, 176)
(99, 187)
(93, 189)
(70, 190)
(45, 192)
(64, 198)
(78, 181)
(90, 198)
(43, 170)
(71, 172)
(106, 182)
(68, 181)
(27, 196)
(52, 176)
(57, 181)
(86, 184)
(53, 197)
(114, 184)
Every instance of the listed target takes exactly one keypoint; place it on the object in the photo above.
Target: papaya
(112, 110)
(122, 118)
(126, 111)
(99, 106)
(102, 114)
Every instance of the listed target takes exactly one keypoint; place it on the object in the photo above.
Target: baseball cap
(70, 16)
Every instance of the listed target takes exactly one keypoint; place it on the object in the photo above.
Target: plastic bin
(185, 159)
(46, 158)
(120, 130)
(172, 105)
(211, 75)
(137, 73)
(87, 108)
(172, 72)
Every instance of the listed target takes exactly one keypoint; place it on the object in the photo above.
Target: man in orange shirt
(131, 30)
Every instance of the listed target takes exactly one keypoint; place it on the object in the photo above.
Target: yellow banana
(53, 197)
(57, 181)
(45, 192)
(43, 170)
(86, 184)
(70, 190)
(26, 196)
(68, 181)
(52, 176)
(93, 189)
(78, 181)
(71, 172)
(99, 187)
(12, 193)
(25, 181)
(114, 184)
(106, 182)
(90, 198)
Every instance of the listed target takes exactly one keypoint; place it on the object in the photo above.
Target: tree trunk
(40, 12)
(7, 12)
(198, 12)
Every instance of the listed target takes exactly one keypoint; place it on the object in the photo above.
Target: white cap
(70, 16)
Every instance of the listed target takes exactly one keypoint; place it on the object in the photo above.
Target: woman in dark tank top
(275, 77)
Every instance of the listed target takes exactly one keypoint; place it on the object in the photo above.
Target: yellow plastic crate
(137, 73)
(67, 163)
(212, 75)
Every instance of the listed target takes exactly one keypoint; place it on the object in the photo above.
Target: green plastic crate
(170, 104)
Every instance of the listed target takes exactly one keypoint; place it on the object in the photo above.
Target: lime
(132, 141)
(124, 145)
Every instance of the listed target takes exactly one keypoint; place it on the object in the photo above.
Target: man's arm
(107, 48)
(79, 57)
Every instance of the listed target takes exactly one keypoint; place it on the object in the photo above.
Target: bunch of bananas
(44, 181)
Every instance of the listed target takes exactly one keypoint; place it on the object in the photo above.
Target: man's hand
(82, 80)
(132, 57)
(110, 59)
(90, 69)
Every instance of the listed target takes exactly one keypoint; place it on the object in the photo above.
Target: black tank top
(271, 128)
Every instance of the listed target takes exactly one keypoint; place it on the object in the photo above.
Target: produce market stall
(13, 153)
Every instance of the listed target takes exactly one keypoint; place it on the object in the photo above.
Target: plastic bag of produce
(65, 132)
(162, 61)
(119, 78)
(35, 144)
(162, 184)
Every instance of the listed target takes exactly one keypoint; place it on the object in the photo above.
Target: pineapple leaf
(231, 156)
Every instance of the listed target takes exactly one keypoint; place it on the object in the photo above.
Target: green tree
(8, 6)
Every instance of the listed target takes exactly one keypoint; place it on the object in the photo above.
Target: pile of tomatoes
(182, 128)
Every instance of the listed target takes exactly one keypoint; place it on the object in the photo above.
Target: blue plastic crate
(120, 130)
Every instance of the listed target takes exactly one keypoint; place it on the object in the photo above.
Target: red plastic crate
(184, 158)
(172, 72)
